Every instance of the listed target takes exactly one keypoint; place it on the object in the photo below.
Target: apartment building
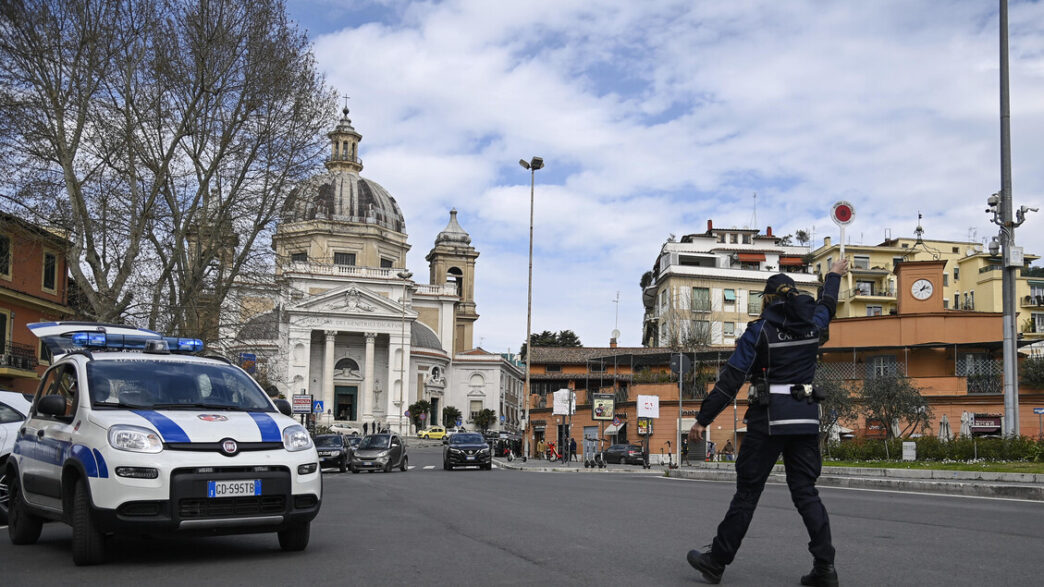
(704, 288)
(33, 288)
(971, 278)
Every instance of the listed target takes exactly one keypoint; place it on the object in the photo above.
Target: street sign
(502, 420)
(248, 362)
(317, 407)
(842, 213)
(616, 422)
(407, 414)
(1038, 410)
(423, 417)
(302, 404)
(460, 422)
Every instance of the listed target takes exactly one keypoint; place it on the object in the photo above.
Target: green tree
(418, 408)
(802, 237)
(893, 398)
(839, 403)
(485, 419)
(547, 338)
(450, 415)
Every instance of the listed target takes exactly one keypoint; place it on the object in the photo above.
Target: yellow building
(971, 278)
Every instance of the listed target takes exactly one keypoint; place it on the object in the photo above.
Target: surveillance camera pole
(1012, 262)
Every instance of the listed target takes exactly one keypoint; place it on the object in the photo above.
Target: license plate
(233, 488)
(326, 454)
(471, 458)
(368, 463)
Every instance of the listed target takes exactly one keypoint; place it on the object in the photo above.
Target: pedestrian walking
(778, 351)
(572, 449)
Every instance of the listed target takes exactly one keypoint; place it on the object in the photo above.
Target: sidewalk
(970, 483)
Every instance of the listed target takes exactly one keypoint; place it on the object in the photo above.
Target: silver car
(379, 452)
(13, 409)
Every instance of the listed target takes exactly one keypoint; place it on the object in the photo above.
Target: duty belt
(799, 391)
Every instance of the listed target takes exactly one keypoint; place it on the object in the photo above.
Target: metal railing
(19, 356)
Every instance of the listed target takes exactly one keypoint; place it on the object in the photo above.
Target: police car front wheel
(88, 544)
(295, 538)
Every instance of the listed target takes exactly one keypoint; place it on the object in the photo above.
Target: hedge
(930, 448)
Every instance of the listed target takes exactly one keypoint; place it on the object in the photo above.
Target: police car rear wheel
(88, 542)
(295, 538)
(23, 527)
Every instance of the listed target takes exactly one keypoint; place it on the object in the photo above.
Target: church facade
(346, 322)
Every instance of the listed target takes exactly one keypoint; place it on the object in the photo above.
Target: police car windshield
(150, 384)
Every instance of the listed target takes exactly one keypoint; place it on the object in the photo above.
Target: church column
(367, 403)
(328, 369)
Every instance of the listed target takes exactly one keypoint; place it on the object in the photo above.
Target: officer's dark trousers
(757, 455)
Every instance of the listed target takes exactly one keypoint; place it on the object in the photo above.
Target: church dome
(421, 336)
(343, 195)
(453, 233)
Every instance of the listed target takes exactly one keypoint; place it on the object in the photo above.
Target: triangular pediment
(353, 300)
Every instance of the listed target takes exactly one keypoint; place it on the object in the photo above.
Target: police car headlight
(134, 439)
(296, 438)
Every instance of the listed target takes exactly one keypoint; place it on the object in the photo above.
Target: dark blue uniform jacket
(780, 347)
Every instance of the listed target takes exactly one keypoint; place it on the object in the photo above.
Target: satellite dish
(616, 333)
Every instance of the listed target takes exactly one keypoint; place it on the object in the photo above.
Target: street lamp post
(405, 276)
(532, 165)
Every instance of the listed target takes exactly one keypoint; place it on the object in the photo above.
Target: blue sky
(653, 117)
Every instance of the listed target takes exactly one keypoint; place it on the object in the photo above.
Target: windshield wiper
(194, 406)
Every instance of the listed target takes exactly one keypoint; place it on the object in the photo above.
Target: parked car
(333, 451)
(467, 449)
(14, 407)
(345, 429)
(353, 443)
(436, 432)
(627, 454)
(379, 452)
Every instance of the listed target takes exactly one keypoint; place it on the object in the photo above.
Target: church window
(299, 257)
(347, 259)
(387, 263)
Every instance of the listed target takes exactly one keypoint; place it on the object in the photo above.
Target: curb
(925, 483)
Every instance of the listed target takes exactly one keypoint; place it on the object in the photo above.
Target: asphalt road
(472, 527)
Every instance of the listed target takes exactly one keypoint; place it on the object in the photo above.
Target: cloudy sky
(653, 117)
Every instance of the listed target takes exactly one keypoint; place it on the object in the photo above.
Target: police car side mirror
(52, 405)
(284, 407)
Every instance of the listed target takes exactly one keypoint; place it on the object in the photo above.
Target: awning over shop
(790, 261)
(750, 257)
(613, 429)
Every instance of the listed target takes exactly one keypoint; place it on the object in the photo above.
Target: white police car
(128, 435)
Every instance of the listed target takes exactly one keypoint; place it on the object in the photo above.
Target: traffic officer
(778, 353)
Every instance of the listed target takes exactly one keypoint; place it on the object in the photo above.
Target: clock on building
(922, 289)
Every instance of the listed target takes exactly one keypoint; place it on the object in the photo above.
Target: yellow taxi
(436, 432)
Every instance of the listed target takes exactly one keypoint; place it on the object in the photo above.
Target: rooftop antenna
(754, 216)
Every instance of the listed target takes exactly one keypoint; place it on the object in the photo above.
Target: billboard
(602, 406)
(648, 406)
(564, 402)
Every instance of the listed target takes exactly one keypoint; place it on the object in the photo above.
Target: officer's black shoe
(822, 575)
(706, 565)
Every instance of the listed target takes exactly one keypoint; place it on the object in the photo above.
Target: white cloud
(656, 116)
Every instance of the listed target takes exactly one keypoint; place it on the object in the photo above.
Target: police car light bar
(64, 337)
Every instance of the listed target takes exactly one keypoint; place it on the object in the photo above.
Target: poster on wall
(648, 406)
(564, 402)
(602, 406)
(645, 426)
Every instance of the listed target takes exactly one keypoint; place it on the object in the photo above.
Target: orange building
(33, 288)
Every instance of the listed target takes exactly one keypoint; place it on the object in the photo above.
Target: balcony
(1032, 301)
(873, 293)
(18, 360)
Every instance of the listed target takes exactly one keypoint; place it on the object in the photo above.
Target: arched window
(456, 277)
(476, 380)
(347, 367)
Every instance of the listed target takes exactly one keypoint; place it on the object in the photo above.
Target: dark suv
(467, 449)
(333, 451)
(627, 454)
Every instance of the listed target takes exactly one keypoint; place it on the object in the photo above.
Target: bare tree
(164, 136)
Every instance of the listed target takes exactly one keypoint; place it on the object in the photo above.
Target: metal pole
(529, 305)
(1010, 275)
(405, 275)
(681, 372)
